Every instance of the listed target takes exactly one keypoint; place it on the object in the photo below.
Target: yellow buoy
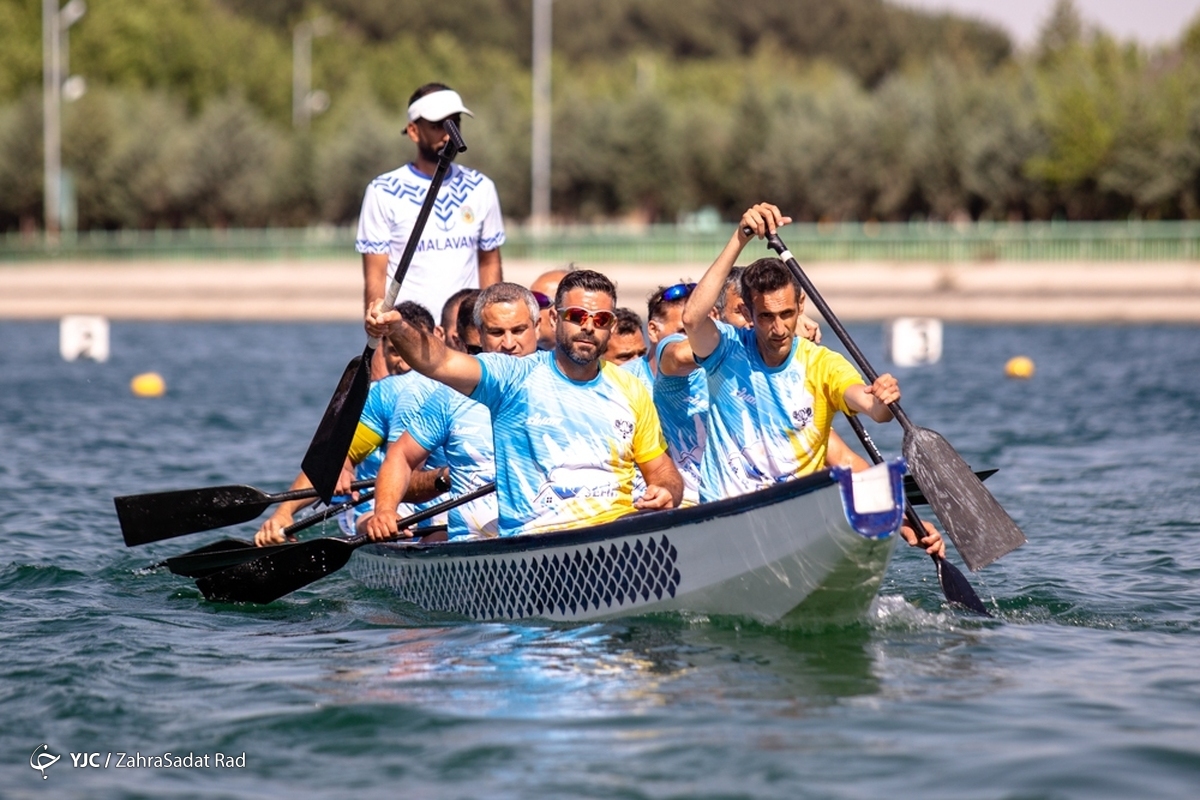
(1019, 367)
(148, 384)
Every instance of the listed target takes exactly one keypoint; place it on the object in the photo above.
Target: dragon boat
(811, 549)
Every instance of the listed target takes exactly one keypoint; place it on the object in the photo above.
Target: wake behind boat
(813, 547)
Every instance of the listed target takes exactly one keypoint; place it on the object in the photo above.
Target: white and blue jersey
(461, 429)
(465, 219)
(682, 403)
(767, 424)
(566, 452)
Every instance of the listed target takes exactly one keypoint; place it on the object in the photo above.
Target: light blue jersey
(640, 367)
(566, 452)
(461, 429)
(682, 403)
(391, 399)
(767, 424)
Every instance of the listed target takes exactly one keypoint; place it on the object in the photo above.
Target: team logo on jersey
(468, 216)
(802, 416)
(624, 428)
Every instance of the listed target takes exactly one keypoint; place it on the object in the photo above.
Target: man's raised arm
(701, 330)
(428, 354)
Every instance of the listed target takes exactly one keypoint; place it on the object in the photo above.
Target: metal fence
(1030, 241)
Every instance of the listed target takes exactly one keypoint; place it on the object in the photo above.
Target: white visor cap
(436, 106)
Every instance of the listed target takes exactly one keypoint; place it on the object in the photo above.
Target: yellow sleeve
(365, 442)
(837, 375)
(648, 439)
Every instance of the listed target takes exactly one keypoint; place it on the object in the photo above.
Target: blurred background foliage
(834, 109)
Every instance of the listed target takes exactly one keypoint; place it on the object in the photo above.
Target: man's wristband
(442, 481)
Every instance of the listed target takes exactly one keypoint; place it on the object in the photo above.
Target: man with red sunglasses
(569, 429)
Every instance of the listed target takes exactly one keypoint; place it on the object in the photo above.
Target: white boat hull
(795, 553)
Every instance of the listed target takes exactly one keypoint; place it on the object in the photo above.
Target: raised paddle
(955, 586)
(153, 517)
(284, 569)
(227, 552)
(979, 527)
(326, 453)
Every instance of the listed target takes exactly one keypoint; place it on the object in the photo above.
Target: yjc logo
(44, 759)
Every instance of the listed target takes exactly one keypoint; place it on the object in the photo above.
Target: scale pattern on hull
(564, 583)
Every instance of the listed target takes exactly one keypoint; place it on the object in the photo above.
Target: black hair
(586, 279)
(465, 319)
(451, 302)
(767, 275)
(428, 88)
(627, 322)
(416, 314)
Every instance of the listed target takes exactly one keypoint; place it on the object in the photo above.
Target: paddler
(503, 320)
(401, 388)
(569, 429)
(773, 394)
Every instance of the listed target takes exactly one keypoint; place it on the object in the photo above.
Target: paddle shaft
(306, 494)
(429, 513)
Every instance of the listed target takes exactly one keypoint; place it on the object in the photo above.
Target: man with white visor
(460, 246)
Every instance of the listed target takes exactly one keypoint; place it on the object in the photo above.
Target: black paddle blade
(913, 494)
(981, 530)
(275, 573)
(957, 588)
(152, 517)
(213, 558)
(327, 450)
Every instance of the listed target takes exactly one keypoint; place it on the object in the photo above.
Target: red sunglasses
(579, 316)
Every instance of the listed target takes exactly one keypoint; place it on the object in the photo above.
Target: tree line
(846, 110)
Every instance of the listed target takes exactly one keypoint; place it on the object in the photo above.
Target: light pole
(55, 23)
(539, 218)
(306, 102)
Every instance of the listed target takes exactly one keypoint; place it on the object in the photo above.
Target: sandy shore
(332, 289)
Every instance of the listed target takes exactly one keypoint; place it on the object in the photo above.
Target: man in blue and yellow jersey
(772, 394)
(570, 429)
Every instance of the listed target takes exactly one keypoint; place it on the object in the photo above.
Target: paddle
(322, 462)
(955, 586)
(283, 570)
(979, 527)
(164, 515)
(227, 552)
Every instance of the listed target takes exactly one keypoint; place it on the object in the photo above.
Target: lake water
(1085, 685)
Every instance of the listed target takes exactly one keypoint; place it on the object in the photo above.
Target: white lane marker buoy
(914, 341)
(81, 336)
